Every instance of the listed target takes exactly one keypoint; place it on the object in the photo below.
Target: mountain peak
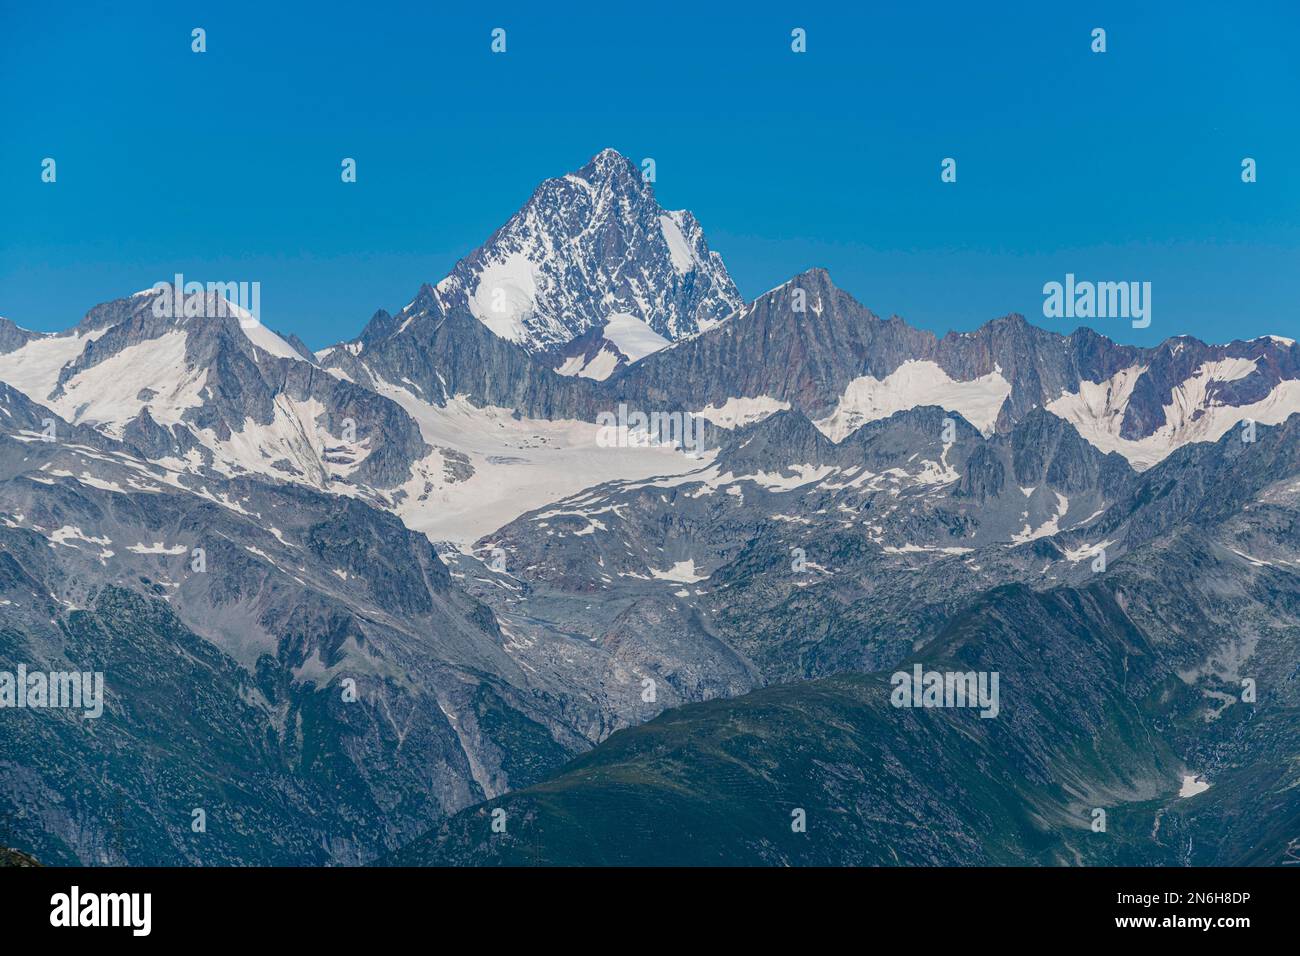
(588, 246)
(608, 164)
(817, 274)
(816, 280)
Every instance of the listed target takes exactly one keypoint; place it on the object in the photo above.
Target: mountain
(227, 683)
(896, 482)
(877, 785)
(802, 554)
(507, 433)
(437, 519)
(212, 392)
(227, 669)
(809, 345)
(426, 422)
(1116, 690)
(586, 247)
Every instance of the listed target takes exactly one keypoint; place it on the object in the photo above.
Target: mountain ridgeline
(413, 599)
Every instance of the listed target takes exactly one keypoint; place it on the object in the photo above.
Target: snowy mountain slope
(1198, 409)
(424, 389)
(227, 397)
(299, 592)
(602, 350)
(505, 432)
(810, 346)
(894, 484)
(490, 465)
(215, 392)
(586, 247)
(915, 383)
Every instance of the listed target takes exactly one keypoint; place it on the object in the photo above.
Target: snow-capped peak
(608, 164)
(586, 247)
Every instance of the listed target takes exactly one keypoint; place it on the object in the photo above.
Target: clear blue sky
(225, 165)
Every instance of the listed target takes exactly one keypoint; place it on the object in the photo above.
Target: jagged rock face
(811, 346)
(1048, 450)
(13, 337)
(441, 351)
(587, 246)
(1202, 485)
(213, 396)
(786, 438)
(801, 343)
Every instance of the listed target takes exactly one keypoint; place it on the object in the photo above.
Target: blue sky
(225, 165)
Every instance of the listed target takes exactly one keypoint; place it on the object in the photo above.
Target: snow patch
(505, 293)
(735, 412)
(1086, 551)
(678, 248)
(108, 394)
(156, 548)
(914, 383)
(268, 341)
(1097, 410)
(34, 368)
(633, 337)
(600, 367)
(1048, 527)
(682, 572)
